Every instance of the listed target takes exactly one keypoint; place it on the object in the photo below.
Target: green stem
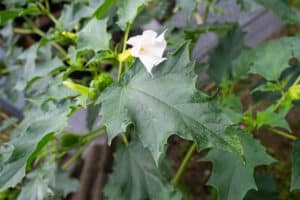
(39, 32)
(193, 147)
(23, 31)
(207, 9)
(184, 163)
(10, 70)
(94, 134)
(120, 70)
(67, 164)
(53, 19)
(282, 133)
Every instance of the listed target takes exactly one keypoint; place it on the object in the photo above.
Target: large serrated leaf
(231, 176)
(94, 36)
(30, 137)
(136, 176)
(295, 183)
(287, 13)
(165, 104)
(229, 48)
(270, 59)
(128, 10)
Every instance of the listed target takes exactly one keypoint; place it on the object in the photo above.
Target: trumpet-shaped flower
(148, 48)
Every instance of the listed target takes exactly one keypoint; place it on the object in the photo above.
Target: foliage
(78, 59)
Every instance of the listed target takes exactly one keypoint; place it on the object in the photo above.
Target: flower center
(142, 50)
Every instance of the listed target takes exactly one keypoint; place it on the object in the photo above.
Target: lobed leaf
(269, 59)
(94, 36)
(128, 10)
(135, 176)
(231, 176)
(165, 104)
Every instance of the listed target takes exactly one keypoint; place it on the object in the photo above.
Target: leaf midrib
(178, 111)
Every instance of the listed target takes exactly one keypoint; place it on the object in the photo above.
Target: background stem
(183, 164)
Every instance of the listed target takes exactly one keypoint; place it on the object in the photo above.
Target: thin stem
(193, 147)
(282, 133)
(53, 19)
(125, 139)
(23, 31)
(39, 32)
(5, 116)
(184, 163)
(94, 134)
(123, 50)
(207, 9)
(10, 70)
(67, 164)
(120, 70)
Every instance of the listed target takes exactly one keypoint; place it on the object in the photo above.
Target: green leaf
(135, 175)
(229, 48)
(62, 183)
(248, 5)
(103, 8)
(187, 7)
(165, 104)
(92, 115)
(94, 36)
(287, 13)
(72, 14)
(219, 28)
(167, 193)
(272, 119)
(128, 10)
(49, 88)
(295, 184)
(5, 124)
(6, 15)
(266, 189)
(36, 69)
(231, 176)
(36, 187)
(31, 135)
(272, 58)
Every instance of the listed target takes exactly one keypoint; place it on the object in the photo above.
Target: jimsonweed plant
(141, 88)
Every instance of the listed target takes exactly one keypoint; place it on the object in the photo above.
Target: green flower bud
(102, 81)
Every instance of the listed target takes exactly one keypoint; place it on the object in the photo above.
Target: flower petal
(150, 61)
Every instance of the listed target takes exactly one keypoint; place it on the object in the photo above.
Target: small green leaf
(6, 15)
(231, 176)
(272, 119)
(295, 183)
(103, 8)
(128, 10)
(61, 183)
(94, 36)
(69, 140)
(229, 48)
(36, 187)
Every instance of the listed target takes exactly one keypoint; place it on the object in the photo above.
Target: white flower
(148, 48)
